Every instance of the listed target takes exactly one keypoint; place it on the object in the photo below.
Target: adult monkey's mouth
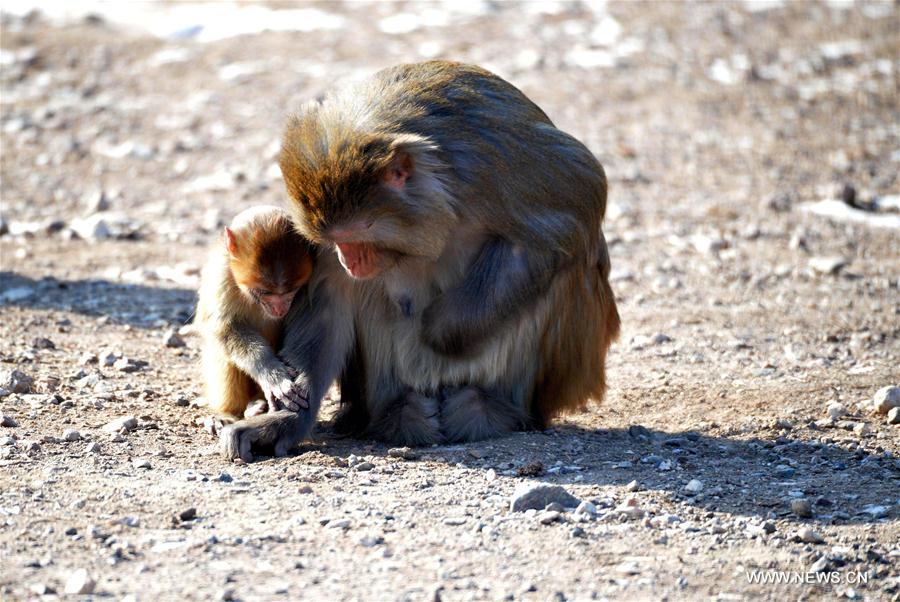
(362, 260)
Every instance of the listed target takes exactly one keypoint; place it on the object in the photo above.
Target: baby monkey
(246, 290)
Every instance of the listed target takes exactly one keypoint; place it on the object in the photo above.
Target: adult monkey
(462, 289)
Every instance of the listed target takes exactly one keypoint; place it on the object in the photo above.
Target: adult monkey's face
(377, 199)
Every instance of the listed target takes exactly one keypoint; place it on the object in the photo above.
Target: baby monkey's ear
(230, 242)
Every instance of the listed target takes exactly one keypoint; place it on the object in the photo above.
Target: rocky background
(752, 150)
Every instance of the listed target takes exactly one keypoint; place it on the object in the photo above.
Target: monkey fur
(461, 288)
(247, 287)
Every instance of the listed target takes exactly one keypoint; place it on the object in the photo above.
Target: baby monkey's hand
(285, 392)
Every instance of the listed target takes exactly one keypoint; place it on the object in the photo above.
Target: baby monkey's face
(274, 304)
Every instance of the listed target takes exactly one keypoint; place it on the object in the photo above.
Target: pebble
(80, 583)
(819, 566)
(875, 511)
(452, 521)
(127, 423)
(71, 435)
(188, 514)
(893, 416)
(548, 516)
(343, 523)
(784, 472)
(127, 365)
(632, 486)
(885, 399)
(835, 410)
(403, 452)
(93, 228)
(538, 496)
(807, 535)
(587, 508)
(16, 381)
(694, 486)
(364, 466)
(43, 343)
(108, 358)
(87, 358)
(801, 507)
(8, 421)
(93, 448)
(141, 463)
(629, 510)
(171, 338)
(827, 265)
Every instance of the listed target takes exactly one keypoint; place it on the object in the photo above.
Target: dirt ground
(736, 442)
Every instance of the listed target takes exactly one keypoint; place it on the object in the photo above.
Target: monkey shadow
(750, 477)
(138, 305)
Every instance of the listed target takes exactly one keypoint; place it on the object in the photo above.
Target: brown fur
(239, 337)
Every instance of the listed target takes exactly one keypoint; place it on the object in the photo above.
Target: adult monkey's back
(462, 285)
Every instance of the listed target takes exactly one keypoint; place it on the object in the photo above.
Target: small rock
(893, 416)
(577, 532)
(402, 452)
(370, 541)
(537, 496)
(41, 589)
(801, 507)
(80, 583)
(343, 523)
(862, 429)
(532, 469)
(125, 364)
(885, 399)
(125, 423)
(784, 472)
(43, 343)
(875, 511)
(71, 435)
(769, 527)
(827, 265)
(694, 486)
(172, 339)
(548, 516)
(188, 514)
(93, 227)
(141, 463)
(632, 486)
(452, 521)
(108, 358)
(87, 358)
(16, 381)
(8, 421)
(629, 511)
(820, 565)
(19, 293)
(835, 410)
(807, 535)
(586, 508)
(363, 466)
(93, 448)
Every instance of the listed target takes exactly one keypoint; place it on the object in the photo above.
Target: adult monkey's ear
(398, 170)
(230, 241)
(412, 157)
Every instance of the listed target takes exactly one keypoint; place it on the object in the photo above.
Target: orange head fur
(269, 261)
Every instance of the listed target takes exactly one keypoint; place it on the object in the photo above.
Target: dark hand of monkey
(275, 433)
(286, 393)
(503, 280)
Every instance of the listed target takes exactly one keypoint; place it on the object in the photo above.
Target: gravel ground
(743, 434)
